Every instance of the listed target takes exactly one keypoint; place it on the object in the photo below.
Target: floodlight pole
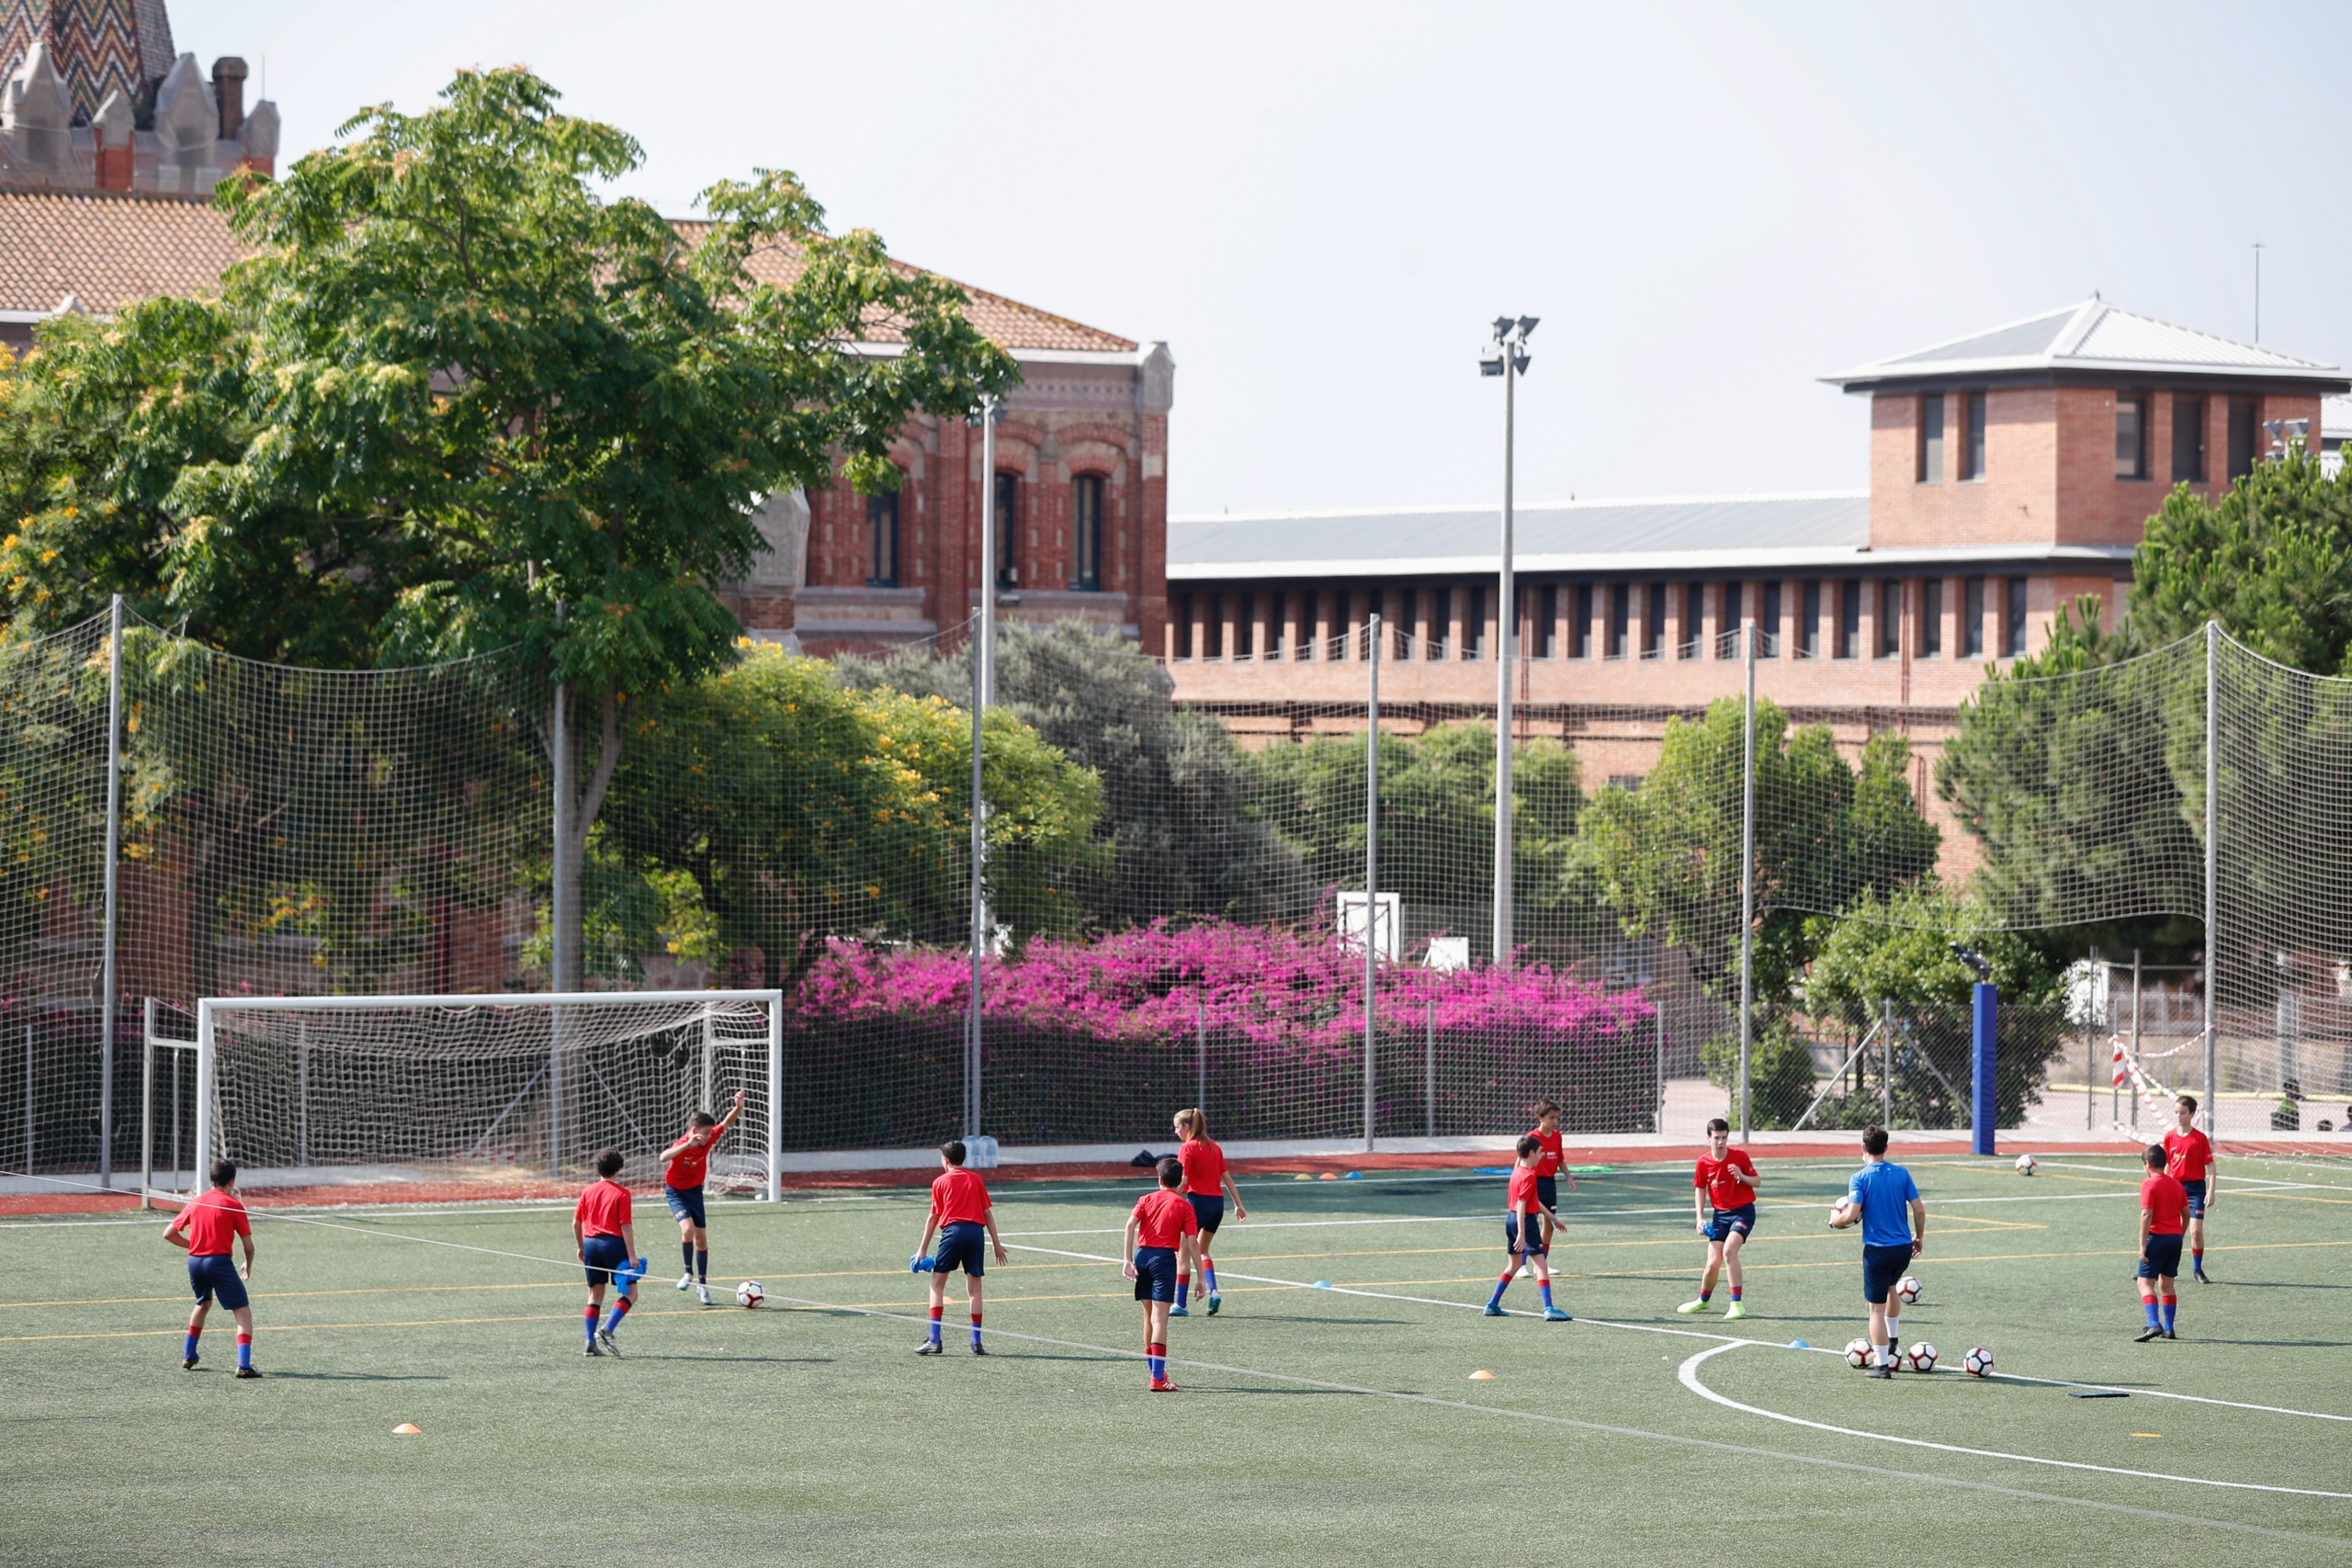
(564, 974)
(113, 891)
(983, 692)
(1748, 883)
(1370, 873)
(1506, 624)
(2212, 869)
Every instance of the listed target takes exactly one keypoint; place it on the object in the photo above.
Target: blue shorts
(685, 1203)
(963, 1244)
(1729, 1223)
(1547, 1192)
(602, 1255)
(1883, 1267)
(215, 1274)
(2163, 1259)
(1208, 1210)
(1155, 1273)
(1535, 1246)
(2196, 1191)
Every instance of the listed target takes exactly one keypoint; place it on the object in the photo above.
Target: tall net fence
(1175, 896)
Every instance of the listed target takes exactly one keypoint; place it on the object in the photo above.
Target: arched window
(882, 539)
(1008, 530)
(1086, 533)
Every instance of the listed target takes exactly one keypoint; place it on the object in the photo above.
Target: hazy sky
(1319, 206)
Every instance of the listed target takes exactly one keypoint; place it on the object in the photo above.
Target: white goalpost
(469, 1086)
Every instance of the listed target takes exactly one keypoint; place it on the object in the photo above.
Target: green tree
(458, 401)
(2270, 559)
(1899, 948)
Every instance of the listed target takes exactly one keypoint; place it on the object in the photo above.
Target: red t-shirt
(2187, 1155)
(1165, 1218)
(1523, 1191)
(1547, 1159)
(2167, 1205)
(1203, 1164)
(959, 1196)
(210, 1221)
(691, 1165)
(1714, 1175)
(602, 1208)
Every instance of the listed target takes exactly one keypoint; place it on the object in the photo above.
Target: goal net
(324, 1090)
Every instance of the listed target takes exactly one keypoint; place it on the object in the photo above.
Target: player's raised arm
(734, 1113)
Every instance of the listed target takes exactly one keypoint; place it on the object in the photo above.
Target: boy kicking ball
(683, 1177)
(607, 1240)
(1161, 1236)
(1725, 1179)
(1206, 1187)
(1522, 1231)
(206, 1229)
(2164, 1214)
(1877, 1197)
(962, 1214)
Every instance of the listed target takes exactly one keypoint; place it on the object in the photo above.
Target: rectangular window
(1653, 623)
(1972, 437)
(1008, 530)
(1771, 620)
(1620, 613)
(2013, 625)
(2241, 437)
(1474, 623)
(1972, 618)
(1436, 610)
(1694, 618)
(1184, 627)
(1890, 618)
(1727, 621)
(1086, 533)
(2131, 438)
(1547, 621)
(1809, 621)
(1931, 618)
(1214, 631)
(1580, 623)
(1850, 618)
(882, 539)
(2187, 439)
(1931, 439)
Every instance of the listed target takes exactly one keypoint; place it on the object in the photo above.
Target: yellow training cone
(408, 1429)
(1481, 1375)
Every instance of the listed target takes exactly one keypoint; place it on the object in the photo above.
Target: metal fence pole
(2212, 878)
(775, 1096)
(1429, 1060)
(562, 972)
(1371, 875)
(302, 1092)
(1201, 1073)
(1748, 891)
(147, 1104)
(114, 857)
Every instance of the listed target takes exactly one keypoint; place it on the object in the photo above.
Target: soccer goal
(300, 1090)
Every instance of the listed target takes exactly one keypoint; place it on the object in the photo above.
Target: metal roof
(2094, 336)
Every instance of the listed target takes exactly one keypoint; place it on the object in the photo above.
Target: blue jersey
(1884, 1191)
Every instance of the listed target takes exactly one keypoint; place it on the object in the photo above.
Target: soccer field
(1318, 1426)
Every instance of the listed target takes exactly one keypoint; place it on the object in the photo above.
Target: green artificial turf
(1312, 1427)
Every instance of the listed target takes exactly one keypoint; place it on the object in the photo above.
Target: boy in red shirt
(682, 1184)
(605, 1240)
(2164, 1214)
(1725, 1181)
(1521, 1228)
(1205, 1187)
(2190, 1160)
(1159, 1240)
(206, 1229)
(960, 1213)
(1551, 1163)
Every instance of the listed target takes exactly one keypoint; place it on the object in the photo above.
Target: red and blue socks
(2168, 1307)
(1155, 1355)
(1735, 1293)
(975, 1325)
(1510, 1272)
(935, 1324)
(589, 1320)
(188, 1354)
(2148, 1305)
(1544, 1286)
(613, 1318)
(1208, 1276)
(2197, 1260)
(1183, 1287)
(244, 1351)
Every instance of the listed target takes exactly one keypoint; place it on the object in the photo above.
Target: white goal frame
(210, 1007)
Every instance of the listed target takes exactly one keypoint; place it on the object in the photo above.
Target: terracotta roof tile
(109, 251)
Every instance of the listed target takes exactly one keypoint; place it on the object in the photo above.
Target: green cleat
(1688, 1308)
(1734, 1311)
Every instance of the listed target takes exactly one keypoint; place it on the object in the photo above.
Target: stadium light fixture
(1527, 327)
(1974, 959)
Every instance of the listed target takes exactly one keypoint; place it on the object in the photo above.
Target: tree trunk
(576, 814)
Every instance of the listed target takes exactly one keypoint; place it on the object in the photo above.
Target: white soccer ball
(750, 1294)
(1858, 1353)
(2025, 1164)
(1906, 1290)
(1923, 1357)
(1979, 1362)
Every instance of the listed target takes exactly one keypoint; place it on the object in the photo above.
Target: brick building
(2011, 472)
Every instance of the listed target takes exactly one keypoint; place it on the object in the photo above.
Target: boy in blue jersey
(1878, 1198)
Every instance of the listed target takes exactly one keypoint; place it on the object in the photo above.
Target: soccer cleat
(686, 1278)
(930, 1348)
(247, 1373)
(1216, 1302)
(591, 1349)
(2170, 1335)
(1879, 1372)
(703, 1293)
(1162, 1386)
(2197, 1274)
(2151, 1332)
(1687, 1308)
(1734, 1311)
(1554, 1314)
(188, 1363)
(1495, 1311)
(979, 1348)
(1178, 1312)
(604, 1338)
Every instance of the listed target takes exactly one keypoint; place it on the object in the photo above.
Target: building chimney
(229, 92)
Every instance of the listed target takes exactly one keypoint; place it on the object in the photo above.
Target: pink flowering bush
(1094, 1041)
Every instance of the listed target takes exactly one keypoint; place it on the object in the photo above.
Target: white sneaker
(686, 1278)
(704, 1292)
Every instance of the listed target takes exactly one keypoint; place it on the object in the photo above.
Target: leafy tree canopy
(1898, 948)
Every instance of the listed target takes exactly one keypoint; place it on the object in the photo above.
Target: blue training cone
(1799, 1345)
(1322, 1284)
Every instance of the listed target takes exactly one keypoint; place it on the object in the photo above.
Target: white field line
(1689, 1375)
